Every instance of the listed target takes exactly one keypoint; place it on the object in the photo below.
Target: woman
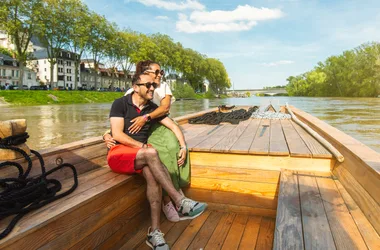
(176, 159)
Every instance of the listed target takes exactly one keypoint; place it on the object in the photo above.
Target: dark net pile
(22, 194)
(233, 117)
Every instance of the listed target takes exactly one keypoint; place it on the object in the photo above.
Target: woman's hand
(109, 141)
(137, 124)
(182, 156)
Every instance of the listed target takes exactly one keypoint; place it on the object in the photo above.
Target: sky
(260, 42)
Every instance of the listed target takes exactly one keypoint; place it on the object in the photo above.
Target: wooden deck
(316, 212)
(254, 137)
(212, 230)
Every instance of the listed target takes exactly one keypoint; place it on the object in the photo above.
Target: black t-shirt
(123, 107)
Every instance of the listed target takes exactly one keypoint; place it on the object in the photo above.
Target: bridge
(271, 92)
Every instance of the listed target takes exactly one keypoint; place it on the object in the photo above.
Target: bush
(210, 94)
(184, 91)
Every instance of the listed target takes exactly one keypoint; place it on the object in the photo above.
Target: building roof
(6, 57)
(42, 54)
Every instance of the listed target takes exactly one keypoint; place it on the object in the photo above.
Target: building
(103, 78)
(10, 73)
(63, 69)
(6, 42)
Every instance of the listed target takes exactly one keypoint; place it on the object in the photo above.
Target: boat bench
(315, 211)
(104, 208)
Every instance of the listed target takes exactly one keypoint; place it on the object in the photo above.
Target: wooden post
(12, 128)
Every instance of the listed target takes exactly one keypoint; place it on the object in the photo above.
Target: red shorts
(121, 159)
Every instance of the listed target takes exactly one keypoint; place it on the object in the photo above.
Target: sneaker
(170, 212)
(156, 241)
(190, 209)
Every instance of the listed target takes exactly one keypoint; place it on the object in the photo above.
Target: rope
(23, 194)
(233, 117)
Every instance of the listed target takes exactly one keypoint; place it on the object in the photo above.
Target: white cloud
(282, 62)
(184, 25)
(162, 17)
(241, 13)
(170, 5)
(241, 19)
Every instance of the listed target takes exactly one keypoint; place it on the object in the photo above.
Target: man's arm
(117, 128)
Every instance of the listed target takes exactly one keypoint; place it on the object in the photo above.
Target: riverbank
(43, 97)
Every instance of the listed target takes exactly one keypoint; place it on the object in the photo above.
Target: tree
(79, 35)
(56, 26)
(20, 20)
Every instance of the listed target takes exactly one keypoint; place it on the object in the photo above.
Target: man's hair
(135, 79)
(142, 66)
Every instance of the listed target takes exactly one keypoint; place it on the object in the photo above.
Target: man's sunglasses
(148, 84)
(156, 72)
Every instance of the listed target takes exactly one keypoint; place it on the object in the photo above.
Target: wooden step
(100, 197)
(314, 211)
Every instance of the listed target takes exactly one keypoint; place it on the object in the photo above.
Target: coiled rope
(23, 194)
(233, 117)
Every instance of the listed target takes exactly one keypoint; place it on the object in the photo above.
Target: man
(133, 155)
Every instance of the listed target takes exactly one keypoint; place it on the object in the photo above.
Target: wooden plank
(36, 232)
(85, 181)
(346, 234)
(265, 238)
(100, 235)
(276, 163)
(127, 231)
(361, 161)
(236, 232)
(370, 236)
(190, 232)
(175, 232)
(226, 143)
(136, 238)
(316, 148)
(232, 198)
(241, 187)
(219, 235)
(296, 145)
(288, 233)
(265, 212)
(277, 142)
(204, 234)
(195, 130)
(211, 129)
(260, 144)
(316, 230)
(253, 175)
(244, 142)
(214, 138)
(251, 233)
(97, 220)
(363, 199)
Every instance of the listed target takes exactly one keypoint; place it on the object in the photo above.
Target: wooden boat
(273, 188)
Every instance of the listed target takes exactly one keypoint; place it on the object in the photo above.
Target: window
(13, 73)
(3, 72)
(69, 55)
(61, 78)
(60, 70)
(68, 71)
(16, 73)
(68, 63)
(37, 62)
(44, 61)
(1, 61)
(45, 69)
(68, 78)
(29, 75)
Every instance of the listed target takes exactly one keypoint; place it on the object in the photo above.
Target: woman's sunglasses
(156, 72)
(148, 84)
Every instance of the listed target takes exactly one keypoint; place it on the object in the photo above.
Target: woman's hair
(142, 66)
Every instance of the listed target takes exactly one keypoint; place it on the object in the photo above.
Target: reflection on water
(54, 125)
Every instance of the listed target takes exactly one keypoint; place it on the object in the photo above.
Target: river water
(53, 125)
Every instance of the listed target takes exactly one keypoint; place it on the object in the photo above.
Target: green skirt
(167, 146)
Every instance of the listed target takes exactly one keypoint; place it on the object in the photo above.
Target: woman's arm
(170, 124)
(162, 110)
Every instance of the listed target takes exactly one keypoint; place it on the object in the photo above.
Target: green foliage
(210, 94)
(355, 73)
(4, 51)
(183, 91)
(248, 94)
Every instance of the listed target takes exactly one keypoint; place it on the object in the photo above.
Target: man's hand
(109, 141)
(137, 124)
(182, 156)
